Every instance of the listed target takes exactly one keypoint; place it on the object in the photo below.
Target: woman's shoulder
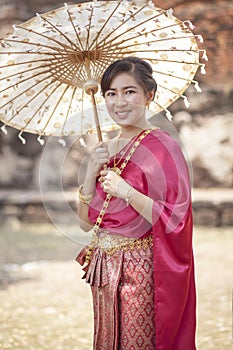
(160, 137)
(159, 133)
(163, 146)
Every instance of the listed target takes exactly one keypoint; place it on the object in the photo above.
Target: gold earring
(148, 103)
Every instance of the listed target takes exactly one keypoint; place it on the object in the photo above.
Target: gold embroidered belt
(112, 242)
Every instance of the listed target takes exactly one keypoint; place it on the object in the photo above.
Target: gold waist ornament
(111, 242)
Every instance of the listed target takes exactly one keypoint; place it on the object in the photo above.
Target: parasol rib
(95, 45)
(170, 61)
(64, 46)
(68, 111)
(122, 24)
(22, 81)
(102, 66)
(22, 73)
(171, 90)
(156, 59)
(75, 30)
(139, 34)
(26, 63)
(64, 71)
(54, 63)
(59, 31)
(108, 48)
(38, 45)
(103, 62)
(59, 62)
(95, 40)
(171, 75)
(55, 107)
(28, 102)
(40, 106)
(60, 53)
(88, 30)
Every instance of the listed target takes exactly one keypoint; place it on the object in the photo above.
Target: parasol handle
(97, 123)
(91, 88)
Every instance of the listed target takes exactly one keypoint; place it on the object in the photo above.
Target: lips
(122, 114)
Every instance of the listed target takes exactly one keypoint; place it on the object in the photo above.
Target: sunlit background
(44, 304)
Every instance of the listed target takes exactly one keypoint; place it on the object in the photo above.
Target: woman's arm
(118, 187)
(86, 190)
(142, 204)
(99, 156)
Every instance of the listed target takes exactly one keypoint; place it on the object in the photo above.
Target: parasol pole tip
(21, 138)
(169, 115)
(200, 38)
(204, 56)
(169, 13)
(82, 142)
(40, 140)
(39, 18)
(62, 142)
(190, 24)
(186, 101)
(91, 85)
(203, 71)
(4, 130)
(196, 85)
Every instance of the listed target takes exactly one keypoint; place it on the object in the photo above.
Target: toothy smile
(122, 114)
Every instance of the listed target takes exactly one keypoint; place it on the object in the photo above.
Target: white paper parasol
(49, 63)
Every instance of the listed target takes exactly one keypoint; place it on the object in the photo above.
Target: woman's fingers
(104, 172)
(110, 182)
(100, 149)
(100, 154)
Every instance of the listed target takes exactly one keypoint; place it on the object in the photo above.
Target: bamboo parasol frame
(51, 65)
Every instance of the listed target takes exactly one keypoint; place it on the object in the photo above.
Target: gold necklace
(108, 198)
(116, 162)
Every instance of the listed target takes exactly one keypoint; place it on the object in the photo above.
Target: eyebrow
(124, 87)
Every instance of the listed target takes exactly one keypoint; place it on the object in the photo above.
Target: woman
(136, 196)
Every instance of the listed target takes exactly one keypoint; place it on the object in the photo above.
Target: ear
(150, 95)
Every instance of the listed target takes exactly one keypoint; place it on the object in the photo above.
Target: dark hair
(138, 68)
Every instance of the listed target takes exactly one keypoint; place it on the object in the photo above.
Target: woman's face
(126, 100)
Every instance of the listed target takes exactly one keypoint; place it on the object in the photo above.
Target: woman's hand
(114, 184)
(99, 156)
(118, 187)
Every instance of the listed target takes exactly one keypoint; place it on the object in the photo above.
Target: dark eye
(109, 93)
(129, 92)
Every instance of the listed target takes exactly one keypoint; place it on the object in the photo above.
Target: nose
(120, 100)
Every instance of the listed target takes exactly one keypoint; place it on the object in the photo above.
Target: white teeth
(122, 113)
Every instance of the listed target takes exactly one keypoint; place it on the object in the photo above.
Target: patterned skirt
(123, 294)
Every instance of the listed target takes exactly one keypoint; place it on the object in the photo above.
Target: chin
(124, 124)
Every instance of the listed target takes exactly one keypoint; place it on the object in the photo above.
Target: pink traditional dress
(142, 274)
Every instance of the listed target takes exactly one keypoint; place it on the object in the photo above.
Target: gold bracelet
(84, 198)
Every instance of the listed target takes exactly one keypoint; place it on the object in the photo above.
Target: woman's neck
(130, 131)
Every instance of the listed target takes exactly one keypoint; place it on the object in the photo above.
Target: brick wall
(213, 19)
